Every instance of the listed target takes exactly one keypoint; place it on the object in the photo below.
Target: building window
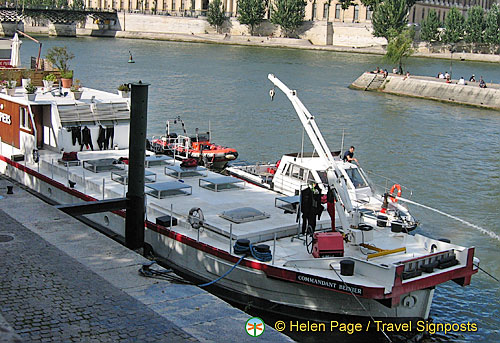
(24, 119)
(369, 14)
(173, 5)
(313, 16)
(337, 11)
(325, 10)
(356, 13)
(423, 13)
(164, 5)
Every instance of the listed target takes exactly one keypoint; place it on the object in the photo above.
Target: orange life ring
(391, 192)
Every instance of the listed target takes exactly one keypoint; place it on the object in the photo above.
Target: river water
(448, 155)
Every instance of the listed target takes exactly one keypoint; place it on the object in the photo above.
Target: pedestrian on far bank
(349, 155)
(461, 81)
(472, 78)
(394, 70)
(482, 84)
(441, 76)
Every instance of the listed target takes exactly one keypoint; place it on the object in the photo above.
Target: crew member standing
(349, 155)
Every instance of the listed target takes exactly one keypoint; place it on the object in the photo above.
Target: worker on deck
(349, 155)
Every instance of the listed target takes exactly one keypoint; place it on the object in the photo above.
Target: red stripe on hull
(279, 273)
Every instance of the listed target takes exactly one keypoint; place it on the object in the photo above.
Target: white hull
(302, 300)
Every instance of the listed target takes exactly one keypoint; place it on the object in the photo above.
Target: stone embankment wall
(133, 25)
(432, 88)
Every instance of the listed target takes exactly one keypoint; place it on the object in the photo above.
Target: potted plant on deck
(123, 90)
(48, 81)
(30, 91)
(60, 57)
(76, 90)
(25, 77)
(10, 87)
(66, 78)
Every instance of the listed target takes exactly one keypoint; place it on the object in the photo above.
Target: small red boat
(198, 146)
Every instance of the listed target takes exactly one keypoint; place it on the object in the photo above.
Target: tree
(215, 14)
(59, 57)
(370, 4)
(492, 31)
(251, 13)
(77, 5)
(400, 47)
(288, 14)
(474, 25)
(454, 26)
(429, 30)
(345, 4)
(390, 16)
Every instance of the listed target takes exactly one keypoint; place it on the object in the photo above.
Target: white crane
(335, 177)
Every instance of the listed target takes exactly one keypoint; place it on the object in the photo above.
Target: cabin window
(310, 178)
(24, 122)
(356, 178)
(297, 172)
(323, 177)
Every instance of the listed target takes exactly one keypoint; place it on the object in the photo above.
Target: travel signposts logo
(255, 326)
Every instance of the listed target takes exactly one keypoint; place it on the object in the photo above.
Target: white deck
(288, 253)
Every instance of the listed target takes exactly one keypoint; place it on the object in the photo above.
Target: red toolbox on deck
(328, 244)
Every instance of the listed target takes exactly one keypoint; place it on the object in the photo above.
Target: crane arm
(335, 176)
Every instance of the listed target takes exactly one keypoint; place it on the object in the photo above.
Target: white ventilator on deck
(335, 176)
(15, 54)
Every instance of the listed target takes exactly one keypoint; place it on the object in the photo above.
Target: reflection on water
(448, 155)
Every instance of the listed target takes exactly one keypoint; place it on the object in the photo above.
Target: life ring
(196, 218)
(391, 192)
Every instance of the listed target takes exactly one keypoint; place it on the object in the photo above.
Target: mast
(335, 177)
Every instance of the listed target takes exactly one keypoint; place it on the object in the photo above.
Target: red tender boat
(198, 146)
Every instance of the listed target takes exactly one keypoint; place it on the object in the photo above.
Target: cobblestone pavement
(47, 296)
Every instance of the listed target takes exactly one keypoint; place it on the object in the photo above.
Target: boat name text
(329, 284)
(5, 118)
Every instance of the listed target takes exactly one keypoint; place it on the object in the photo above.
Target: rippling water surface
(448, 155)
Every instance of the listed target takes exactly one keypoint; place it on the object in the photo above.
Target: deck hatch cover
(244, 215)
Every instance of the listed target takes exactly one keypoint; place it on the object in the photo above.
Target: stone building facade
(316, 10)
(327, 10)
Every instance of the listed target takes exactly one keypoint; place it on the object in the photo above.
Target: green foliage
(371, 4)
(30, 88)
(345, 4)
(50, 77)
(76, 86)
(390, 18)
(454, 26)
(288, 14)
(61, 3)
(474, 25)
(77, 5)
(251, 13)
(492, 31)
(215, 14)
(68, 74)
(429, 30)
(124, 87)
(400, 47)
(59, 57)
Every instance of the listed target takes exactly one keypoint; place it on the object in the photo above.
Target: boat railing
(384, 183)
